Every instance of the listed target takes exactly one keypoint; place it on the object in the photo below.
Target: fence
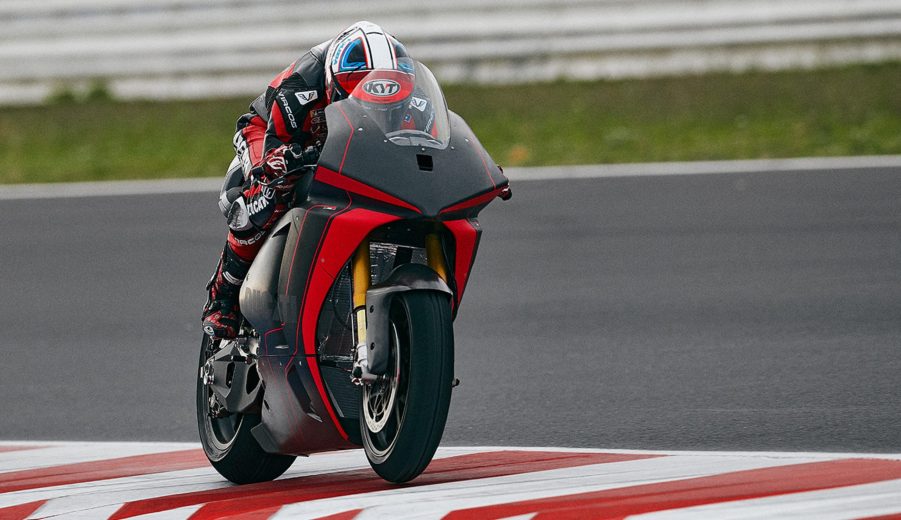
(201, 48)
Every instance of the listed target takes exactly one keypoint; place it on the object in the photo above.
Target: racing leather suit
(286, 118)
(291, 111)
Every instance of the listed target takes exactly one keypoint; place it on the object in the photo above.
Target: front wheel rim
(384, 404)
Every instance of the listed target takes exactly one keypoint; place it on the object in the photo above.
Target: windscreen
(406, 104)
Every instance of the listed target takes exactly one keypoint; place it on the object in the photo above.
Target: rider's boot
(221, 315)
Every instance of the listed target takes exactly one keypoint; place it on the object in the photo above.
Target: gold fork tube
(361, 281)
(435, 255)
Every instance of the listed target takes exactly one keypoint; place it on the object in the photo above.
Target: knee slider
(237, 215)
(231, 187)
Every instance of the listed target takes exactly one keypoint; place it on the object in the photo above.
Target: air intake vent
(425, 162)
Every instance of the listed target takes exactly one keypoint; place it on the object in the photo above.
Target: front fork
(362, 280)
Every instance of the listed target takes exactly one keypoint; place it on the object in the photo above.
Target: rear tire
(421, 365)
(228, 442)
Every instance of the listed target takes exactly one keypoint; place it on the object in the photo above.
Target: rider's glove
(285, 164)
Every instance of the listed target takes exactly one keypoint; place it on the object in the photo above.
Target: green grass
(853, 110)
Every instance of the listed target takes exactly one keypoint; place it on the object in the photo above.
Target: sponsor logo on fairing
(307, 96)
(381, 87)
(419, 103)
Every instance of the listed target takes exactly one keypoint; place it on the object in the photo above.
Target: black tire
(227, 441)
(422, 355)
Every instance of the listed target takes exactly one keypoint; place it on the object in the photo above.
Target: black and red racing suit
(290, 112)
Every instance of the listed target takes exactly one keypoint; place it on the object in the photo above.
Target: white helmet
(357, 50)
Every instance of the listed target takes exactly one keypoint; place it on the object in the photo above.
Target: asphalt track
(744, 312)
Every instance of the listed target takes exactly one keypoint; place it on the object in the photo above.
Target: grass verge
(852, 110)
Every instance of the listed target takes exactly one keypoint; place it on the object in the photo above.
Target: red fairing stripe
(475, 201)
(465, 235)
(339, 242)
(343, 182)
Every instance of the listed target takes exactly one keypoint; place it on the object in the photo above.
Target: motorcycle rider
(276, 142)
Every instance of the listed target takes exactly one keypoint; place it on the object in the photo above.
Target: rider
(275, 143)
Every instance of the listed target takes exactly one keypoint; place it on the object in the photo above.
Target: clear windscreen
(407, 105)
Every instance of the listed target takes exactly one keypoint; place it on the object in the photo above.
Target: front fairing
(430, 175)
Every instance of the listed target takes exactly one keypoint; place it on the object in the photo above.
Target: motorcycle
(348, 308)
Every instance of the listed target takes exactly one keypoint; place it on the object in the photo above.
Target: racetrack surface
(742, 312)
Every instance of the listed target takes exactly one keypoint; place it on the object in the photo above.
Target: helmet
(358, 50)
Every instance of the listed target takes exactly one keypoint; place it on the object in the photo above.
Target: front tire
(402, 418)
(228, 442)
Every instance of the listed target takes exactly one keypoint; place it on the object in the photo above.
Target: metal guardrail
(197, 48)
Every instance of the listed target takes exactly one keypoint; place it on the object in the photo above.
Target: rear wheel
(403, 414)
(226, 437)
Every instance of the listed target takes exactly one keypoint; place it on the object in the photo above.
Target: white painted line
(594, 171)
(59, 453)
(516, 174)
(126, 448)
(109, 188)
(825, 455)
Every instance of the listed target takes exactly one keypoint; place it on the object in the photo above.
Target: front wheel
(226, 438)
(403, 414)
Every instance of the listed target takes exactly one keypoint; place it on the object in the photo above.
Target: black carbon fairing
(459, 172)
(258, 293)
(367, 143)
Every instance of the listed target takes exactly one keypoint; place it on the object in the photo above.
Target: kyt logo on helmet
(381, 87)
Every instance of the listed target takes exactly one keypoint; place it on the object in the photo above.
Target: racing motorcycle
(348, 308)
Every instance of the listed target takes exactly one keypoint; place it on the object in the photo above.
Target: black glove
(297, 158)
(283, 165)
